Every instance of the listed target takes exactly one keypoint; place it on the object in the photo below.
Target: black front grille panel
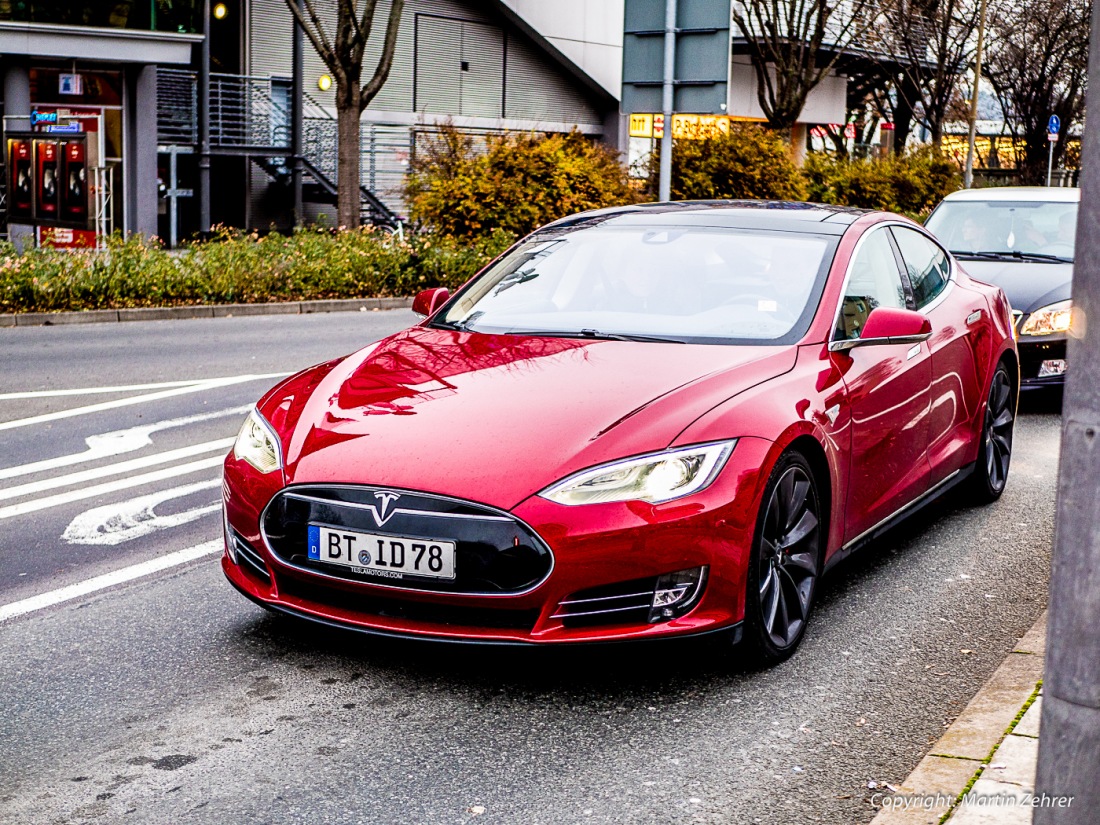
(620, 603)
(446, 614)
(494, 552)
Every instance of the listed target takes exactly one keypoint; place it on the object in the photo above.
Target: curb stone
(953, 761)
(98, 316)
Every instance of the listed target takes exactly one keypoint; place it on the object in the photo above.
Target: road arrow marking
(115, 523)
(105, 445)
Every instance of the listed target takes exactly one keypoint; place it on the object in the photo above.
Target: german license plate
(380, 555)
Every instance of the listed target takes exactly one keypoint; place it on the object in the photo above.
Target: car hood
(1028, 284)
(496, 418)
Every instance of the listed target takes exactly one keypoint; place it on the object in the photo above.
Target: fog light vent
(676, 593)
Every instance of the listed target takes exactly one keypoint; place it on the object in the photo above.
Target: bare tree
(1038, 64)
(795, 44)
(342, 52)
(931, 42)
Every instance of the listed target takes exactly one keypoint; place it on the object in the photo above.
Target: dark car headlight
(656, 478)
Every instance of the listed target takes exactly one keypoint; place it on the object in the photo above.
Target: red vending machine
(48, 191)
(20, 179)
(74, 182)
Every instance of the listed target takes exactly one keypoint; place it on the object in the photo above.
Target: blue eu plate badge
(314, 542)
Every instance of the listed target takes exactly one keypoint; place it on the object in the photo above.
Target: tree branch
(382, 71)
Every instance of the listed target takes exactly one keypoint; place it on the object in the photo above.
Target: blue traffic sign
(1054, 125)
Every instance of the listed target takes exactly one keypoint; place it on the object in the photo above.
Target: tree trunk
(903, 117)
(347, 165)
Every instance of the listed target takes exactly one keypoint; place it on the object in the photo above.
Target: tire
(990, 475)
(785, 562)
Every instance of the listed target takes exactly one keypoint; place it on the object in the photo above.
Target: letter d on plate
(314, 542)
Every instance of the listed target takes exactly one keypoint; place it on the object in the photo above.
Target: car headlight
(1049, 319)
(258, 445)
(655, 478)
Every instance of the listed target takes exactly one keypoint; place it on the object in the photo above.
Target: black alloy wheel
(785, 562)
(995, 452)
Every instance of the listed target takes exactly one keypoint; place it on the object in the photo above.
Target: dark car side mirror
(886, 325)
(428, 301)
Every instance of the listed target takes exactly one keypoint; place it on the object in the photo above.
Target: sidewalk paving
(984, 765)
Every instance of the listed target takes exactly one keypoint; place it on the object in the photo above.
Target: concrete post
(1069, 741)
(142, 189)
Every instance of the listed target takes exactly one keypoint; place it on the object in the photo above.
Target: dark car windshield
(1026, 229)
(694, 284)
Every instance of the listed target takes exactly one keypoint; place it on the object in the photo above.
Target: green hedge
(237, 267)
(911, 184)
(747, 162)
(466, 186)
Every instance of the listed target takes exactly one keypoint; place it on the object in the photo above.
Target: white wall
(588, 32)
(825, 104)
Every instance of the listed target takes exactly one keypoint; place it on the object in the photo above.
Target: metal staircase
(250, 117)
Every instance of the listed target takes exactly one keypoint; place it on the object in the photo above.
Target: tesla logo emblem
(384, 509)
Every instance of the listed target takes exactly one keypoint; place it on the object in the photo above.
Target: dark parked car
(1020, 238)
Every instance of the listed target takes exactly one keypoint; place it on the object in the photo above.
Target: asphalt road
(170, 698)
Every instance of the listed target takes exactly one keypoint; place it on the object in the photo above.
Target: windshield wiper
(593, 334)
(1013, 254)
(626, 336)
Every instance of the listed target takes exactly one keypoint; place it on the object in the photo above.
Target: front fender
(808, 402)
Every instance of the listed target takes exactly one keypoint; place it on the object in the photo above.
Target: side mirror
(428, 301)
(886, 325)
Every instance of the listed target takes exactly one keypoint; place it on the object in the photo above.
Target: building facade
(128, 78)
(84, 74)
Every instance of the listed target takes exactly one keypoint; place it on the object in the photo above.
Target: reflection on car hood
(497, 418)
(1028, 284)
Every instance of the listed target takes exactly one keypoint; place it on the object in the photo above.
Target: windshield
(1006, 228)
(691, 284)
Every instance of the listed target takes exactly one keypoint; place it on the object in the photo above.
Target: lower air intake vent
(620, 603)
(248, 559)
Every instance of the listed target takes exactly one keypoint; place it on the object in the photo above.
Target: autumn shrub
(469, 187)
(748, 162)
(911, 183)
(238, 267)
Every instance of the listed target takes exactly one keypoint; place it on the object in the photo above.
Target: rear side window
(927, 264)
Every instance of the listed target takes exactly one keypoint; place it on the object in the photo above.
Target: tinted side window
(873, 281)
(925, 262)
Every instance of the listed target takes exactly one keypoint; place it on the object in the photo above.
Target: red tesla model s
(646, 421)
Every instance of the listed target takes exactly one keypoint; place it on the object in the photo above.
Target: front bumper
(601, 555)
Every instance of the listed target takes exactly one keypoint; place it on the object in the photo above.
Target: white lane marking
(135, 571)
(116, 523)
(213, 383)
(118, 468)
(36, 504)
(105, 445)
(11, 396)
